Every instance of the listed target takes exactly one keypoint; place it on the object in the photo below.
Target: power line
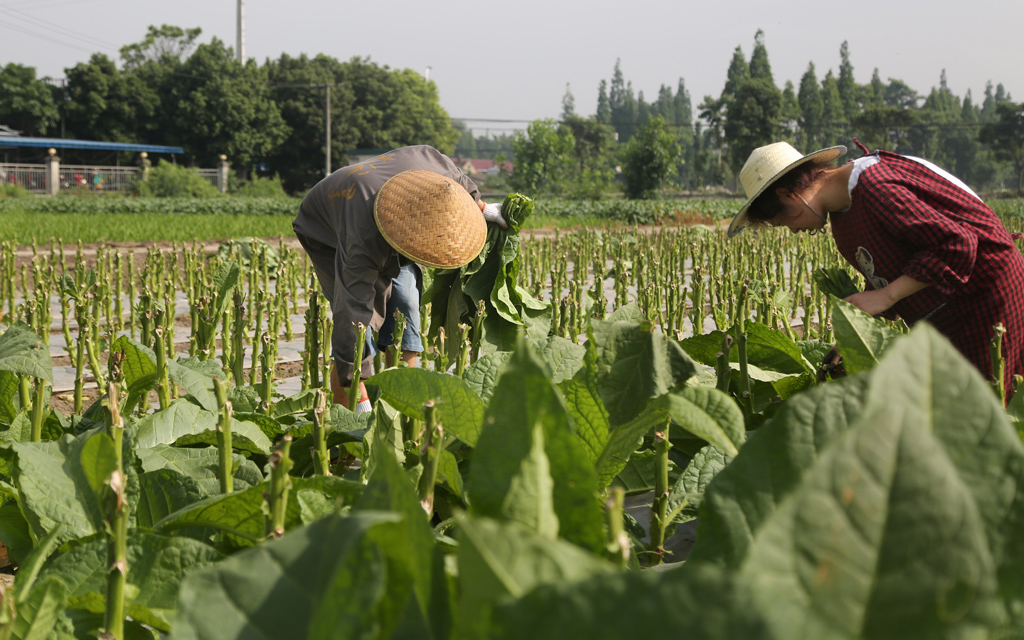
(61, 36)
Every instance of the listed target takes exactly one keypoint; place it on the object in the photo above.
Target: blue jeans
(405, 297)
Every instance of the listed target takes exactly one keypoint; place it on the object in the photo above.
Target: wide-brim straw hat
(431, 219)
(766, 165)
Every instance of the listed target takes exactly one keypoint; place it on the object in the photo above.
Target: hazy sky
(511, 61)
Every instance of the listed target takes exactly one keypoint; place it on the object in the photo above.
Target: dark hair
(767, 205)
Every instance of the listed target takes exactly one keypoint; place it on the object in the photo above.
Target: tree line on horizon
(169, 89)
(982, 143)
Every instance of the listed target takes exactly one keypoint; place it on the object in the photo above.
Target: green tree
(26, 103)
(166, 44)
(847, 85)
(713, 111)
(940, 120)
(790, 112)
(875, 91)
(372, 107)
(683, 121)
(604, 109)
(833, 115)
(812, 108)
(544, 159)
(466, 146)
(568, 103)
(220, 106)
(760, 68)
(899, 94)
(649, 160)
(622, 104)
(105, 103)
(1005, 137)
(752, 119)
(593, 169)
(884, 126)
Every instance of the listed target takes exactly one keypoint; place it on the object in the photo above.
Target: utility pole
(240, 34)
(327, 116)
(327, 135)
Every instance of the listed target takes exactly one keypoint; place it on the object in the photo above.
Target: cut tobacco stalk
(618, 541)
(312, 341)
(430, 455)
(224, 444)
(998, 363)
(280, 483)
(321, 458)
(659, 508)
(116, 515)
(357, 367)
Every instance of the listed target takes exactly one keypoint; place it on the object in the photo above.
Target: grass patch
(22, 227)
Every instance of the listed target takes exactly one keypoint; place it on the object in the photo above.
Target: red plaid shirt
(907, 220)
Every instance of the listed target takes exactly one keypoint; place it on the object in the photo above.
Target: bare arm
(878, 301)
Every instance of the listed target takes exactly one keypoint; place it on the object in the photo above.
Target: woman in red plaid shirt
(927, 245)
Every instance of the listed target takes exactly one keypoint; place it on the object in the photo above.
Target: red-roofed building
(479, 166)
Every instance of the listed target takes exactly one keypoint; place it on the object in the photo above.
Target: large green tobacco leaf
(161, 493)
(681, 603)
(23, 352)
(50, 492)
(39, 611)
(771, 464)
(635, 364)
(686, 494)
(139, 365)
(500, 560)
(320, 581)
(706, 413)
(892, 506)
(201, 464)
(483, 374)
(767, 349)
(415, 566)
(861, 339)
(186, 423)
(224, 280)
(458, 409)
(528, 465)
(583, 399)
(156, 566)
(241, 514)
(196, 376)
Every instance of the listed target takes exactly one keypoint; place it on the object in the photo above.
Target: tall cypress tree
(604, 109)
(847, 85)
(568, 103)
(811, 108)
(832, 115)
(760, 68)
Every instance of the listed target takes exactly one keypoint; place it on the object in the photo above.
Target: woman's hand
(876, 301)
(872, 302)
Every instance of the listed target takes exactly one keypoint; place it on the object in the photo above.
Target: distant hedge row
(629, 211)
(101, 205)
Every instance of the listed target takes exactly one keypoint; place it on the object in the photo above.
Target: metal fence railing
(30, 176)
(212, 175)
(94, 178)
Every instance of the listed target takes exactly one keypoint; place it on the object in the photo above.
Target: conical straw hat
(766, 165)
(430, 218)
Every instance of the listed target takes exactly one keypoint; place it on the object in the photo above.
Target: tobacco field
(171, 465)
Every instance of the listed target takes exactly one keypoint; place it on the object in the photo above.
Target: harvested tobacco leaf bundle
(836, 281)
(492, 278)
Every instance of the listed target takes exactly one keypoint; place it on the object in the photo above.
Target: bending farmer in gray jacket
(367, 227)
